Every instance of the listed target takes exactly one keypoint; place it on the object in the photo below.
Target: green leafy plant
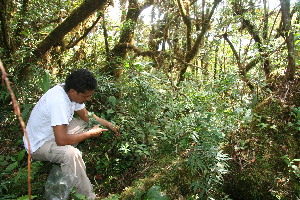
(155, 193)
(10, 163)
(26, 197)
(296, 114)
(292, 165)
(92, 121)
(46, 82)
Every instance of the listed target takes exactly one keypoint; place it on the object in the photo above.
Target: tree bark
(190, 55)
(105, 34)
(119, 52)
(86, 9)
(185, 14)
(80, 14)
(253, 31)
(242, 70)
(86, 32)
(5, 38)
(289, 39)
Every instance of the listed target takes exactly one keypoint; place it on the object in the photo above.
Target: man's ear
(72, 91)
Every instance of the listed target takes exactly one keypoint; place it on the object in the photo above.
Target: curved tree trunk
(119, 52)
(242, 69)
(86, 9)
(80, 14)
(193, 51)
(253, 31)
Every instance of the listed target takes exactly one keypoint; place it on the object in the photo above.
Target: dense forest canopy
(206, 93)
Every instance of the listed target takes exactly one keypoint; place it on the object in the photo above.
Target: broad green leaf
(112, 100)
(21, 155)
(46, 81)
(11, 167)
(154, 193)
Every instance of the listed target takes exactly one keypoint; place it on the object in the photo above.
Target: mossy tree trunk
(192, 49)
(116, 57)
(289, 38)
(55, 38)
(254, 32)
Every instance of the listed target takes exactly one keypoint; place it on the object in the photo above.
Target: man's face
(80, 97)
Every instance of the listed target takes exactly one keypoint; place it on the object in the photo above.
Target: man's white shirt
(54, 108)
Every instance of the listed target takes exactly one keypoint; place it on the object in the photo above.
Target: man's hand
(62, 138)
(96, 131)
(115, 129)
(91, 118)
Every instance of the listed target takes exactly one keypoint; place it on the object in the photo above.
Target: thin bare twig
(18, 113)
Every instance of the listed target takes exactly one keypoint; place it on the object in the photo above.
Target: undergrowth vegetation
(206, 95)
(201, 140)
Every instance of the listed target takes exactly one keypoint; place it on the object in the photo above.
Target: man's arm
(107, 124)
(62, 138)
(83, 114)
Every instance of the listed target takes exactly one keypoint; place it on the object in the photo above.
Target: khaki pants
(70, 159)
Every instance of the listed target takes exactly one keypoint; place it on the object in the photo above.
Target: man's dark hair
(81, 80)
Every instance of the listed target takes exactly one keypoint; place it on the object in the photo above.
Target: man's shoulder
(56, 93)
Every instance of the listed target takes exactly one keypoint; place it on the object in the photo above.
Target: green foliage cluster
(14, 176)
(207, 138)
(181, 138)
(264, 153)
(159, 121)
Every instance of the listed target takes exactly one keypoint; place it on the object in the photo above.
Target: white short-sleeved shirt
(54, 108)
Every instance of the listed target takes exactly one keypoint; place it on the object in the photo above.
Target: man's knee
(71, 154)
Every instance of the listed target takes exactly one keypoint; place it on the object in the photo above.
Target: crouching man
(53, 132)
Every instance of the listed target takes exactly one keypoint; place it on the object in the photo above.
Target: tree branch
(105, 34)
(242, 70)
(80, 14)
(194, 50)
(137, 51)
(18, 113)
(187, 21)
(87, 31)
(235, 53)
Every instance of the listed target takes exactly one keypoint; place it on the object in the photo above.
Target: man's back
(54, 108)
